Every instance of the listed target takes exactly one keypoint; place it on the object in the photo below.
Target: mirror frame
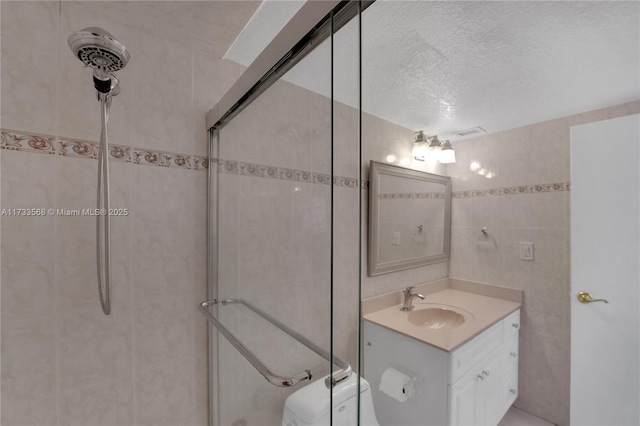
(378, 169)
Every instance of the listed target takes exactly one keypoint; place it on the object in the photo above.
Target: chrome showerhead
(97, 49)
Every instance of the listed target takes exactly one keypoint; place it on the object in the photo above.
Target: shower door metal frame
(212, 273)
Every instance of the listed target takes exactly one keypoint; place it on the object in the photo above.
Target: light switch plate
(396, 239)
(526, 251)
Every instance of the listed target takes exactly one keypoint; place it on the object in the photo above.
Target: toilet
(309, 406)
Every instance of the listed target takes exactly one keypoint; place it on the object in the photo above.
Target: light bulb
(448, 155)
(482, 172)
(474, 166)
(419, 150)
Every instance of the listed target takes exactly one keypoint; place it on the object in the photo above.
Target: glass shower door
(285, 233)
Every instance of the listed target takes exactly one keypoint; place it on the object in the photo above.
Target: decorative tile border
(160, 158)
(411, 195)
(514, 190)
(77, 148)
(68, 147)
(227, 166)
(27, 142)
(258, 170)
(13, 140)
(200, 163)
(295, 175)
(321, 178)
(272, 172)
(345, 181)
(120, 153)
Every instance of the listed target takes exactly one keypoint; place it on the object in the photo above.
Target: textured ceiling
(448, 66)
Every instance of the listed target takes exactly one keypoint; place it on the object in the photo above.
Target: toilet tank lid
(312, 401)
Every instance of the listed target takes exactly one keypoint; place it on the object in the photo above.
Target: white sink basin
(437, 317)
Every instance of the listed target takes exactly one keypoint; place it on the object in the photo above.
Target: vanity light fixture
(435, 147)
(448, 155)
(423, 146)
(420, 146)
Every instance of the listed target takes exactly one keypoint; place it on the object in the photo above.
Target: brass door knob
(585, 297)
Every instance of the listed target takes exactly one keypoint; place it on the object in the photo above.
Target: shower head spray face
(96, 48)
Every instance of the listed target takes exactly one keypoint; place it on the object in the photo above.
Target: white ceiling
(448, 66)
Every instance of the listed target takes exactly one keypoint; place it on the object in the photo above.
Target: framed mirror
(409, 218)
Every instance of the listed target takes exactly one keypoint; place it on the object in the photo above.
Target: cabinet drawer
(472, 352)
(512, 326)
(511, 356)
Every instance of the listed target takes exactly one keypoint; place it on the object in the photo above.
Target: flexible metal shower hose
(103, 236)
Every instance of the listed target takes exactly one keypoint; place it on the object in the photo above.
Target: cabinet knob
(481, 376)
(513, 391)
(513, 354)
(515, 325)
(485, 373)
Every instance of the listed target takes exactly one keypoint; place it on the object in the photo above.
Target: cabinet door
(463, 401)
(491, 390)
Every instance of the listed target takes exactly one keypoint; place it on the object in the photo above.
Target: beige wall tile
(462, 212)
(19, 19)
(513, 272)
(28, 288)
(164, 394)
(105, 403)
(28, 412)
(28, 359)
(215, 23)
(93, 347)
(513, 150)
(162, 331)
(29, 92)
(27, 180)
(625, 109)
(49, 286)
(549, 152)
(161, 197)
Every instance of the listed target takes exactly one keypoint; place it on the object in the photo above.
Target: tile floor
(516, 417)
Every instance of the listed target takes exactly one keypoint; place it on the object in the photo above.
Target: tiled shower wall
(526, 200)
(63, 361)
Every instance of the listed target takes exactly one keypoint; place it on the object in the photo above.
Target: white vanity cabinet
(474, 384)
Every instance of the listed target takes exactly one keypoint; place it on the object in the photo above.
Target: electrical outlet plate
(526, 251)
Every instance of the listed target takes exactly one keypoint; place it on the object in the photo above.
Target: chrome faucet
(408, 298)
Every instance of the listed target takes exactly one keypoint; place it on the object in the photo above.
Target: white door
(605, 223)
